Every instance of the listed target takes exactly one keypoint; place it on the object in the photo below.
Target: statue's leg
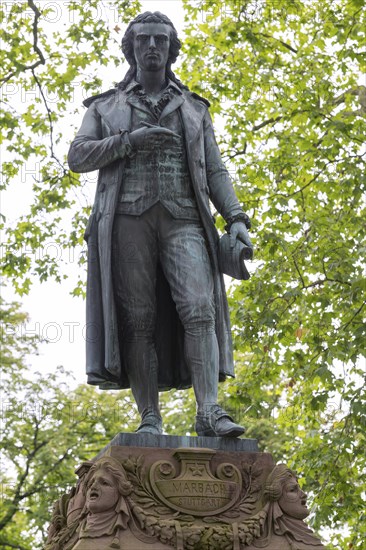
(187, 267)
(134, 261)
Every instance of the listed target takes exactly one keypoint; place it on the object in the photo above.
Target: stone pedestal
(188, 493)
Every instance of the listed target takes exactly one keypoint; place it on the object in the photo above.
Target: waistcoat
(158, 172)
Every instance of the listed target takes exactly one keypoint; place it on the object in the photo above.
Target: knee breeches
(139, 244)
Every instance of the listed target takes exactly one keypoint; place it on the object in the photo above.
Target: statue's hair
(112, 466)
(275, 482)
(127, 47)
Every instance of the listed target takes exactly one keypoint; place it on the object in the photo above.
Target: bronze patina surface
(157, 313)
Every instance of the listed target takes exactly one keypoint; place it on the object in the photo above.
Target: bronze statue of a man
(157, 315)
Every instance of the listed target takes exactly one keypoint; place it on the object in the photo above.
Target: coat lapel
(134, 101)
(193, 112)
(116, 112)
(174, 103)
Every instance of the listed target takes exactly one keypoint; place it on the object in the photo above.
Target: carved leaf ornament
(194, 492)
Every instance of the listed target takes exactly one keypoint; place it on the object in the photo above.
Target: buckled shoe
(216, 422)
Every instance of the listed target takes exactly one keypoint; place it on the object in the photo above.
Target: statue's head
(104, 484)
(151, 20)
(136, 41)
(281, 486)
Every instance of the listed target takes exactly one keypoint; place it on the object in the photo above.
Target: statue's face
(151, 45)
(293, 500)
(102, 494)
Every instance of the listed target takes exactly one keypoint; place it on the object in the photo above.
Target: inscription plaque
(196, 491)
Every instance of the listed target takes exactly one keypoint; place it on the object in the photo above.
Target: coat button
(202, 162)
(102, 188)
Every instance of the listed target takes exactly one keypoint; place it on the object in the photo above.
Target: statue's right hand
(149, 134)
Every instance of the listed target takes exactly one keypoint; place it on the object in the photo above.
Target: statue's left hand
(239, 231)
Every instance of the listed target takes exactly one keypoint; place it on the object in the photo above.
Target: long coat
(98, 146)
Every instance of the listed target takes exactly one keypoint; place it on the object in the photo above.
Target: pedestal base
(188, 493)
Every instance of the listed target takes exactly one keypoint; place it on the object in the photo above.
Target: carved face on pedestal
(102, 494)
(293, 500)
(282, 487)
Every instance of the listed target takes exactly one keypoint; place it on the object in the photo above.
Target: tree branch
(320, 282)
(36, 483)
(17, 496)
(265, 123)
(41, 60)
(314, 178)
(49, 116)
(37, 15)
(354, 315)
(299, 272)
(238, 153)
(284, 44)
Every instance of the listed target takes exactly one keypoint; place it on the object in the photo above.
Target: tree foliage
(47, 430)
(286, 88)
(55, 53)
(286, 78)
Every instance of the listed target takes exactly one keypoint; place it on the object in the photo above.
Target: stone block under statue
(187, 493)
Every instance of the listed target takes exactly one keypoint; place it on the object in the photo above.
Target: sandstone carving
(284, 504)
(182, 502)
